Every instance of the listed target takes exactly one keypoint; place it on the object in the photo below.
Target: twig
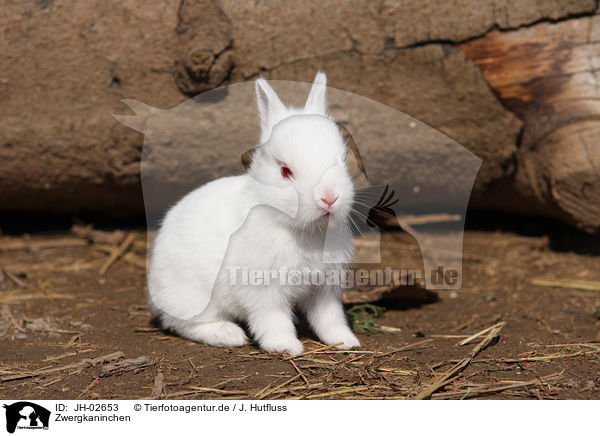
(404, 348)
(130, 257)
(397, 371)
(573, 284)
(189, 359)
(263, 395)
(450, 376)
(185, 393)
(51, 382)
(98, 236)
(303, 388)
(87, 389)
(544, 358)
(580, 344)
(339, 391)
(498, 387)
(13, 278)
(263, 390)
(344, 352)
(78, 365)
(218, 391)
(135, 260)
(464, 325)
(40, 245)
(480, 333)
(229, 380)
(11, 299)
(62, 356)
(316, 350)
(416, 220)
(388, 329)
(118, 252)
(548, 357)
(299, 371)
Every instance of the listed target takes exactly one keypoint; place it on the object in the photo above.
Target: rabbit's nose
(329, 198)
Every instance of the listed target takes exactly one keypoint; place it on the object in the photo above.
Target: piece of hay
(584, 285)
(450, 376)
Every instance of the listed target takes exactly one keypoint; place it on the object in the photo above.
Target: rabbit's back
(191, 244)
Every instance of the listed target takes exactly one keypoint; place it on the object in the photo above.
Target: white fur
(261, 220)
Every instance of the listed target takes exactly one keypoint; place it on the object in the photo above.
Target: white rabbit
(290, 210)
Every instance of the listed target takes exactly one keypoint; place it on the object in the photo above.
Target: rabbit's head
(303, 149)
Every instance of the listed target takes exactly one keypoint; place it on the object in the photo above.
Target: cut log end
(546, 75)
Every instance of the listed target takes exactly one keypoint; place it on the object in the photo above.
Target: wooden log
(548, 76)
(67, 65)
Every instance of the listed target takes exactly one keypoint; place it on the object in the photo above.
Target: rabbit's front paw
(231, 335)
(218, 333)
(344, 336)
(276, 344)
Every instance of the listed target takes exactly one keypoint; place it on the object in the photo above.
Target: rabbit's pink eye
(286, 172)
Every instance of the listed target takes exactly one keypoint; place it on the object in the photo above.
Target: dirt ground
(70, 332)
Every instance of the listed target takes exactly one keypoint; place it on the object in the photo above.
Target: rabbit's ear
(270, 108)
(351, 146)
(247, 158)
(316, 103)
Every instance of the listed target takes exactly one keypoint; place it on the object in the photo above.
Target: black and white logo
(26, 415)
